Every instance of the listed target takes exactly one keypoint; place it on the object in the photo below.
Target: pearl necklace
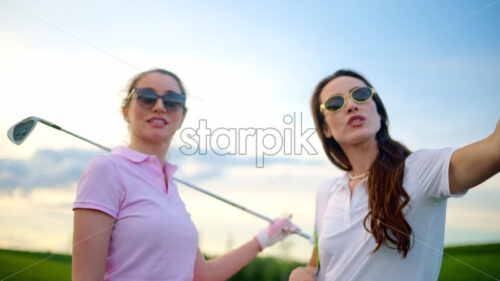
(351, 177)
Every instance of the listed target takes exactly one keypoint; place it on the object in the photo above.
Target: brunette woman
(384, 218)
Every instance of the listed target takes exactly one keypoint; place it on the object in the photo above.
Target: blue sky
(436, 66)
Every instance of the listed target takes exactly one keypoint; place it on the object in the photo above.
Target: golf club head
(21, 130)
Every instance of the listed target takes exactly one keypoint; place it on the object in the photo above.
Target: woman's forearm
(225, 266)
(475, 163)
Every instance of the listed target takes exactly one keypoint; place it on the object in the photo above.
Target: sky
(250, 65)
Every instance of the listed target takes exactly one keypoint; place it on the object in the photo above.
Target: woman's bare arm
(306, 273)
(225, 266)
(91, 236)
(475, 163)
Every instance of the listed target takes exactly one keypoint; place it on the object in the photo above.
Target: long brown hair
(386, 195)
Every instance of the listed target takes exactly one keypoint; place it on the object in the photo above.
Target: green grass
(467, 262)
(266, 269)
(37, 267)
(22, 266)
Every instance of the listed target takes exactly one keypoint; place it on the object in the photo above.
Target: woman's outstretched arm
(475, 163)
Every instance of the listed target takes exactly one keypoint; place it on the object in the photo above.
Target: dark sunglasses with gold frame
(337, 101)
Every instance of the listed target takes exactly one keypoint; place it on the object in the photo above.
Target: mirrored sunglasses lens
(174, 98)
(173, 102)
(172, 106)
(146, 97)
(362, 94)
(334, 103)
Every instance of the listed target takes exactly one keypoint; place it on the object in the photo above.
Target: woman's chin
(156, 139)
(357, 139)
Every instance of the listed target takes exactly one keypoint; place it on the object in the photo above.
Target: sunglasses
(337, 102)
(172, 101)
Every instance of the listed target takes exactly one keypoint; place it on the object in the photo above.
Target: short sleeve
(428, 170)
(99, 188)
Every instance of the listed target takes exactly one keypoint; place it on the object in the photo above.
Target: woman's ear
(125, 113)
(182, 121)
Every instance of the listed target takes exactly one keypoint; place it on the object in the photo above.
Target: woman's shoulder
(102, 162)
(331, 181)
(328, 183)
(426, 172)
(428, 156)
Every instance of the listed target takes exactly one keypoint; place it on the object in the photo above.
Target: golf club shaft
(176, 179)
(73, 134)
(301, 233)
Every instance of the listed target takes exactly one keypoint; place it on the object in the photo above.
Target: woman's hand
(306, 273)
(276, 231)
(225, 266)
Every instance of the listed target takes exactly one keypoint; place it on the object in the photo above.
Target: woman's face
(155, 125)
(355, 123)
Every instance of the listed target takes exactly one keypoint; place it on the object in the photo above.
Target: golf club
(22, 129)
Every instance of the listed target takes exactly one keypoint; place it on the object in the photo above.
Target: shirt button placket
(152, 160)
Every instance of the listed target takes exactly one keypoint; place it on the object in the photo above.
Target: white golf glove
(276, 231)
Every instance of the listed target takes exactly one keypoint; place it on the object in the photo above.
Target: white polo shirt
(345, 245)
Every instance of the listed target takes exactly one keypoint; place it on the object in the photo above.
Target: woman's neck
(160, 150)
(361, 156)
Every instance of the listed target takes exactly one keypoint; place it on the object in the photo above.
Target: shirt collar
(344, 181)
(137, 157)
(169, 169)
(130, 154)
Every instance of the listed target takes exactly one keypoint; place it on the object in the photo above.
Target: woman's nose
(158, 107)
(351, 105)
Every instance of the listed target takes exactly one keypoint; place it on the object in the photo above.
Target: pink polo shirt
(153, 237)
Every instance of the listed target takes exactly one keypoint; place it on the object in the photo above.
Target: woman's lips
(157, 122)
(356, 121)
